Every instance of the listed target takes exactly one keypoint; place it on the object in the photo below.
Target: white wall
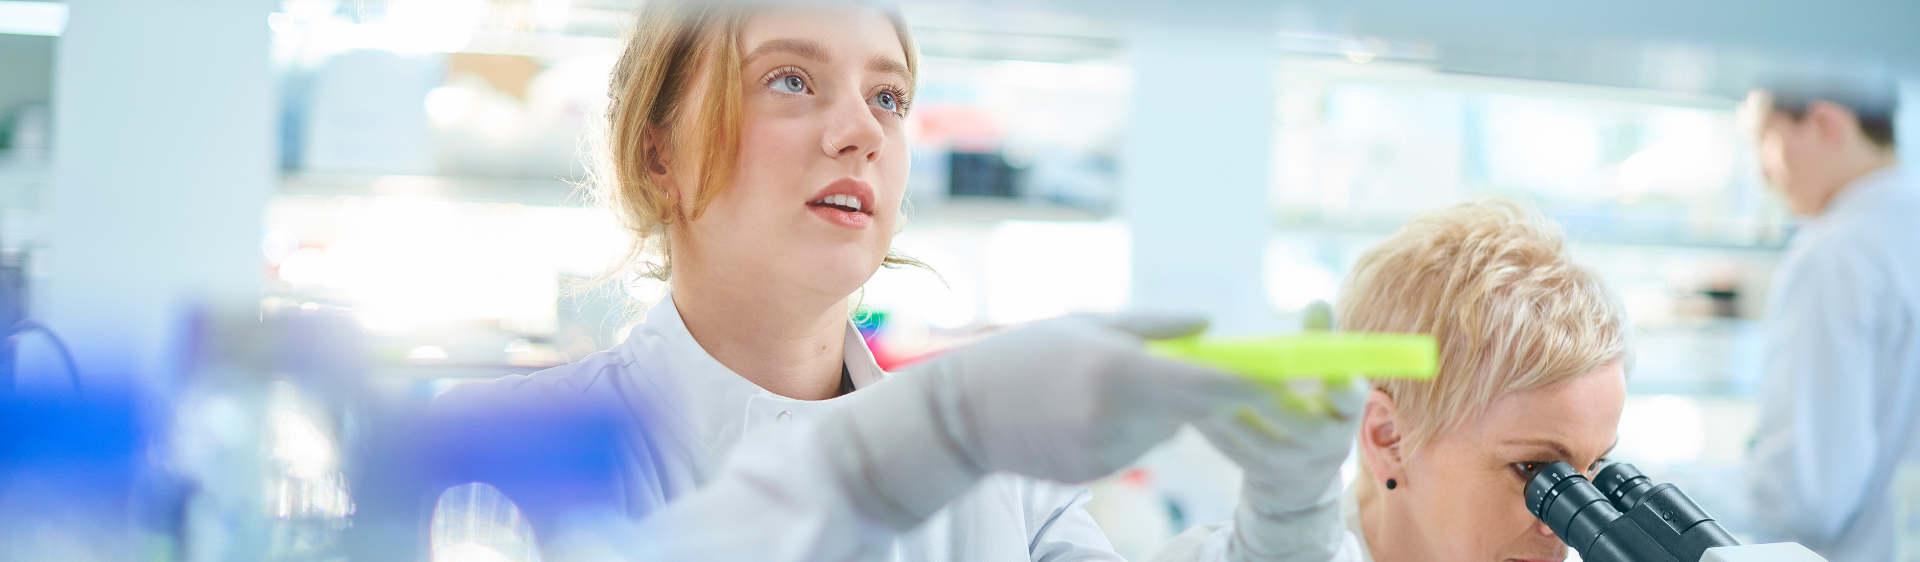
(1197, 163)
(1906, 123)
(164, 157)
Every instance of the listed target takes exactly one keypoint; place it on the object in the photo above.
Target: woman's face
(823, 154)
(1463, 492)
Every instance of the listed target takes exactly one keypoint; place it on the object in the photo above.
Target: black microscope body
(1622, 516)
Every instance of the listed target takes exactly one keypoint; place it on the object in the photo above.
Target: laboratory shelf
(543, 192)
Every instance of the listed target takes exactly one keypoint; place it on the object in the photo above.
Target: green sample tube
(1323, 355)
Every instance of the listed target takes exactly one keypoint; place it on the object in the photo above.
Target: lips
(847, 202)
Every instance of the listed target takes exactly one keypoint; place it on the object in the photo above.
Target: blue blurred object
(69, 467)
(551, 457)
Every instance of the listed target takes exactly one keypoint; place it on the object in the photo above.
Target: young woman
(762, 146)
(1533, 354)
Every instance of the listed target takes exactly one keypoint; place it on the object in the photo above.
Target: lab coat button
(784, 417)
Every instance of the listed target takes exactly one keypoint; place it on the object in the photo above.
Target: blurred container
(263, 431)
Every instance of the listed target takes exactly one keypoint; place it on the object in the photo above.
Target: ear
(1380, 438)
(1834, 123)
(653, 158)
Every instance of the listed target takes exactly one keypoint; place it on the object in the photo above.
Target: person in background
(762, 146)
(1534, 350)
(1841, 376)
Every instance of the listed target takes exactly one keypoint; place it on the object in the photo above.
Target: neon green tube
(1324, 355)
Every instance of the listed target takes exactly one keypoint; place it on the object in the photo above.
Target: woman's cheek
(894, 170)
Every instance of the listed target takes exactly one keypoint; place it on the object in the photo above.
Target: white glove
(1071, 400)
(1290, 448)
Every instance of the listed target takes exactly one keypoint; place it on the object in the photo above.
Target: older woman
(1533, 355)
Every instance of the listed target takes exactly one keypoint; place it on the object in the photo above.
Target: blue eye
(887, 101)
(791, 83)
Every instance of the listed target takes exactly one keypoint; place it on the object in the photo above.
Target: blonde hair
(674, 48)
(1496, 285)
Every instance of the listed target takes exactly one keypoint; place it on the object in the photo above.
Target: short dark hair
(1873, 102)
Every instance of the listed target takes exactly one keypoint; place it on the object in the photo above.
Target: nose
(852, 130)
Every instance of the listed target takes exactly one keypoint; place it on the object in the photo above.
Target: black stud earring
(1392, 484)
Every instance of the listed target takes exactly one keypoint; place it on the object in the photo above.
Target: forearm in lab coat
(1215, 543)
(1815, 447)
(776, 500)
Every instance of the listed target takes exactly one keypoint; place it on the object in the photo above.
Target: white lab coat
(1209, 542)
(1842, 373)
(780, 503)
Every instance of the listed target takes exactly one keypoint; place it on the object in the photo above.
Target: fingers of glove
(1350, 398)
(1339, 399)
(1242, 434)
(1150, 325)
(1273, 454)
(1295, 426)
(1184, 389)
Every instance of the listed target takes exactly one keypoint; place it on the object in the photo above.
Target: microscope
(1622, 516)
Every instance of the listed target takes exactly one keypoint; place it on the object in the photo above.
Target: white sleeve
(775, 500)
(1063, 530)
(1209, 543)
(1815, 445)
(1195, 544)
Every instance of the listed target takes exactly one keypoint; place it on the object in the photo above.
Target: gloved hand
(1071, 400)
(1289, 448)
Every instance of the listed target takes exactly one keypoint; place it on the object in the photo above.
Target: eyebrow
(1554, 446)
(883, 64)
(813, 50)
(797, 47)
(1557, 448)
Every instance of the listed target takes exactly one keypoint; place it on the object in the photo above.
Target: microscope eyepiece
(1570, 505)
(1622, 516)
(1623, 484)
(1543, 482)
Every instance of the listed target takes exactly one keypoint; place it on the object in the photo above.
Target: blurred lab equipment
(263, 435)
(9, 353)
(72, 486)
(475, 522)
(13, 313)
(1623, 516)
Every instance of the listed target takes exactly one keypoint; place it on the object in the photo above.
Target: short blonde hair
(674, 48)
(1497, 286)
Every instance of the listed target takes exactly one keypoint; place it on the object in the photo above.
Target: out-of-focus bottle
(474, 522)
(263, 432)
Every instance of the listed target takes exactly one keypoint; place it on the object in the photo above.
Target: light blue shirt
(780, 502)
(1838, 423)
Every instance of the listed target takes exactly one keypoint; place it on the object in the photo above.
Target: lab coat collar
(1870, 191)
(716, 406)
